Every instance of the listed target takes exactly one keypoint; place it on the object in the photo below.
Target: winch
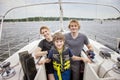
(116, 66)
(7, 71)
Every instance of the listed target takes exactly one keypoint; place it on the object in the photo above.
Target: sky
(81, 11)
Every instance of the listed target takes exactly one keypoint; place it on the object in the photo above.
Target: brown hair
(74, 21)
(43, 27)
(58, 36)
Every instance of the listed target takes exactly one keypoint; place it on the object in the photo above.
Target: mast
(61, 16)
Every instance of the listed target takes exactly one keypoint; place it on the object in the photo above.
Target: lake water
(17, 34)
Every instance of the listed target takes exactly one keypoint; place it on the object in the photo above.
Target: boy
(60, 56)
(76, 40)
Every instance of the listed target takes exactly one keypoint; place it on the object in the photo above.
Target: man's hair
(43, 27)
(74, 21)
(58, 36)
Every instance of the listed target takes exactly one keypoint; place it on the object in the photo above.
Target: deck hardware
(117, 66)
(7, 71)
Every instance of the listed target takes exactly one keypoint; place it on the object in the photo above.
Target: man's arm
(47, 60)
(76, 58)
(89, 46)
(90, 51)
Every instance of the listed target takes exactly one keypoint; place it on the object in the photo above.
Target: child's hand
(41, 62)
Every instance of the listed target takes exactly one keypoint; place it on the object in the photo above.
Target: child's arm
(47, 60)
(76, 58)
(38, 52)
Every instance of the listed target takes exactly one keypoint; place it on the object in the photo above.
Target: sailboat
(105, 66)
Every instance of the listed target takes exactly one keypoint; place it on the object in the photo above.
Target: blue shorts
(65, 75)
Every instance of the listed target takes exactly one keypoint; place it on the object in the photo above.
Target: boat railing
(10, 50)
(105, 39)
(118, 45)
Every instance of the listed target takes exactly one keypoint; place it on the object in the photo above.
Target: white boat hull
(91, 69)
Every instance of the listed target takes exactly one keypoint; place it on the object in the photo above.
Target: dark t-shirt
(46, 46)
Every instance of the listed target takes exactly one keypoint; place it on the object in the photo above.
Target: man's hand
(86, 60)
(91, 54)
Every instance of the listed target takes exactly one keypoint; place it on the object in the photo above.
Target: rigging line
(98, 72)
(107, 72)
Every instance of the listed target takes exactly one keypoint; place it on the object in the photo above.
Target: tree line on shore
(51, 19)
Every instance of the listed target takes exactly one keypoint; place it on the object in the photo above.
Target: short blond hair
(74, 21)
(44, 27)
(58, 36)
